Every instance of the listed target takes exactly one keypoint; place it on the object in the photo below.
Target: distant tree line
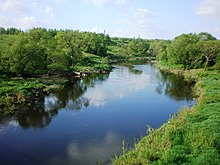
(10, 31)
(41, 50)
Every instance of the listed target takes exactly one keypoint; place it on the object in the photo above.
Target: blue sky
(150, 19)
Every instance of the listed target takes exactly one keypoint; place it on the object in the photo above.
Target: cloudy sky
(123, 18)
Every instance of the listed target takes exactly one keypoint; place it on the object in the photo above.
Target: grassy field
(190, 137)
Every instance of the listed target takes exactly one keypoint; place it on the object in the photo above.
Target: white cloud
(23, 23)
(13, 5)
(209, 8)
(49, 11)
(5, 22)
(59, 1)
(34, 4)
(143, 17)
(138, 17)
(106, 2)
(97, 29)
(122, 1)
(27, 22)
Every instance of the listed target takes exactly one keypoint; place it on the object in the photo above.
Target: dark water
(87, 121)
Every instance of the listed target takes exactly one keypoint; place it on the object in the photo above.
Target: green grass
(16, 91)
(192, 136)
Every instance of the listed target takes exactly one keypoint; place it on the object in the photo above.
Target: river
(87, 121)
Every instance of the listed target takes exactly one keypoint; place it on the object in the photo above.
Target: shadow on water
(174, 86)
(39, 113)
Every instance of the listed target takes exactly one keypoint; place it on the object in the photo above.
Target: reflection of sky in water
(50, 102)
(96, 150)
(122, 85)
(103, 148)
(71, 134)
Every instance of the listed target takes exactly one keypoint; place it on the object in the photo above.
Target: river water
(87, 121)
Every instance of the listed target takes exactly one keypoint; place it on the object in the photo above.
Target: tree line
(39, 50)
(191, 51)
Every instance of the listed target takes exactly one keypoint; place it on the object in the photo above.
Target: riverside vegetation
(27, 59)
(193, 135)
(190, 137)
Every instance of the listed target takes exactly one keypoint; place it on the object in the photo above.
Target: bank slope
(190, 137)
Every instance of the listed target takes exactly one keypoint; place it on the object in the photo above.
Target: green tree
(13, 31)
(69, 46)
(204, 36)
(2, 30)
(95, 43)
(210, 52)
(138, 47)
(158, 48)
(183, 50)
(27, 57)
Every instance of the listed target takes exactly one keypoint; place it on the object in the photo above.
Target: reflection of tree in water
(40, 112)
(93, 79)
(174, 86)
(35, 115)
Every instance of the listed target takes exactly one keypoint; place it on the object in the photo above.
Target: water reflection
(40, 112)
(101, 148)
(86, 121)
(174, 86)
(89, 91)
(124, 83)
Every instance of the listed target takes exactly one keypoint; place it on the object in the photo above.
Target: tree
(183, 50)
(95, 43)
(26, 56)
(210, 50)
(69, 46)
(158, 48)
(2, 30)
(204, 36)
(13, 31)
(138, 47)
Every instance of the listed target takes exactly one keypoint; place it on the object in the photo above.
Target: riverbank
(16, 91)
(190, 137)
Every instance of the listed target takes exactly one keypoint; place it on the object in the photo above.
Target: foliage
(191, 51)
(183, 50)
(95, 43)
(69, 47)
(138, 47)
(39, 50)
(9, 31)
(210, 52)
(92, 63)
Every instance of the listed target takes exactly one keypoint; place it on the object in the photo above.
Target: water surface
(87, 121)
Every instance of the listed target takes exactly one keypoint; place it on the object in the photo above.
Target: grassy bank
(16, 91)
(190, 137)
